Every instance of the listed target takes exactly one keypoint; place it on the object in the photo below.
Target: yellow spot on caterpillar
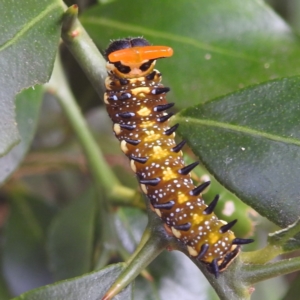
(132, 165)
(144, 112)
(159, 153)
(124, 146)
(147, 124)
(144, 189)
(141, 91)
(213, 238)
(168, 174)
(152, 136)
(158, 212)
(197, 219)
(182, 198)
(192, 251)
(117, 128)
(105, 99)
(176, 232)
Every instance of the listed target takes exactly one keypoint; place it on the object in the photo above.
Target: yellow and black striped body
(136, 103)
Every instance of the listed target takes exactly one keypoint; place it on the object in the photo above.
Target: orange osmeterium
(136, 103)
(139, 54)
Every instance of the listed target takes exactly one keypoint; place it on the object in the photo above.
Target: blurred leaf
(4, 292)
(24, 256)
(30, 33)
(294, 290)
(250, 141)
(27, 109)
(220, 46)
(71, 238)
(89, 287)
(176, 277)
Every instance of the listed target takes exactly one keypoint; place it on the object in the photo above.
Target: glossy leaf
(71, 238)
(219, 46)
(28, 103)
(89, 287)
(250, 140)
(29, 37)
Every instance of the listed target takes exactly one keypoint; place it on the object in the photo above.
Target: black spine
(171, 130)
(187, 169)
(158, 91)
(183, 227)
(203, 251)
(128, 127)
(141, 160)
(165, 118)
(166, 205)
(199, 189)
(163, 107)
(132, 142)
(126, 115)
(151, 76)
(238, 241)
(178, 147)
(212, 205)
(152, 182)
(227, 226)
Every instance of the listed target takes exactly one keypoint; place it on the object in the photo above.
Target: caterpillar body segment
(136, 103)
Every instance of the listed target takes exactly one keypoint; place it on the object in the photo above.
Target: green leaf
(89, 287)
(71, 238)
(29, 37)
(250, 141)
(28, 104)
(24, 262)
(219, 46)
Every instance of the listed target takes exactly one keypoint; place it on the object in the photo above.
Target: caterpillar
(136, 102)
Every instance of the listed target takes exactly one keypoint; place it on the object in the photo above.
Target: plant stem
(256, 273)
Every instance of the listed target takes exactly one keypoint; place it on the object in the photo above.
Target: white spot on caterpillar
(117, 128)
(144, 189)
(176, 232)
(158, 212)
(123, 146)
(132, 165)
(192, 251)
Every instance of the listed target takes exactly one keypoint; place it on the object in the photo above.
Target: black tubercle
(151, 75)
(123, 81)
(126, 115)
(166, 205)
(125, 43)
(212, 205)
(123, 69)
(214, 268)
(178, 147)
(128, 127)
(238, 241)
(203, 251)
(145, 66)
(112, 98)
(132, 142)
(199, 189)
(227, 226)
(163, 107)
(125, 96)
(165, 118)
(158, 91)
(183, 227)
(152, 182)
(141, 160)
(187, 169)
(171, 130)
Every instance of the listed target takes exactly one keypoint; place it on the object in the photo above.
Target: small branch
(84, 50)
(256, 273)
(150, 247)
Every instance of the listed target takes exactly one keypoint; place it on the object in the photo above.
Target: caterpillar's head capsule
(134, 57)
